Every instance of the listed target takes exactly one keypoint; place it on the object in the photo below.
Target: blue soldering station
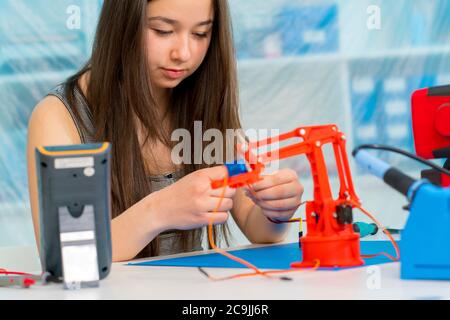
(425, 240)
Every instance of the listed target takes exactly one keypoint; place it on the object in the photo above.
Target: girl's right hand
(189, 203)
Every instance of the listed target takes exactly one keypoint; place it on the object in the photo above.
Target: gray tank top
(169, 241)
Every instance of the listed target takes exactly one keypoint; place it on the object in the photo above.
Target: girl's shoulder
(54, 119)
(72, 97)
(51, 123)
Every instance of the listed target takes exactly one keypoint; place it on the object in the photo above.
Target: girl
(157, 66)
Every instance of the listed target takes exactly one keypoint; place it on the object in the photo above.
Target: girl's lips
(173, 73)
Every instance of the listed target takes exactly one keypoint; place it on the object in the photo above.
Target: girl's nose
(181, 51)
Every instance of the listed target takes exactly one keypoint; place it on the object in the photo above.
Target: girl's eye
(201, 34)
(162, 32)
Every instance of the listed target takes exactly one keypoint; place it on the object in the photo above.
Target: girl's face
(178, 38)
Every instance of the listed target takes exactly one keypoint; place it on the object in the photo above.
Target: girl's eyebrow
(175, 22)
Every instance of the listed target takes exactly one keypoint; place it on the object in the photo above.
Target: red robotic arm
(330, 238)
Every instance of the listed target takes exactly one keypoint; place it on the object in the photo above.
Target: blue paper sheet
(270, 257)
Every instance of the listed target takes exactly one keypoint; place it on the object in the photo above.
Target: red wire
(7, 272)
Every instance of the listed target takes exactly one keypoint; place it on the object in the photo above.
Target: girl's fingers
(215, 217)
(278, 205)
(280, 177)
(225, 205)
(229, 192)
(269, 181)
(216, 173)
(285, 204)
(283, 191)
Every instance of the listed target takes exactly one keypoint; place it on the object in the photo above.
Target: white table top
(180, 283)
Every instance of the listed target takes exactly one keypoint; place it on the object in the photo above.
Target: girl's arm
(184, 205)
(134, 229)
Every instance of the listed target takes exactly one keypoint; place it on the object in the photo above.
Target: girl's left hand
(279, 195)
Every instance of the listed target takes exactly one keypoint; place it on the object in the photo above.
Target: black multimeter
(75, 211)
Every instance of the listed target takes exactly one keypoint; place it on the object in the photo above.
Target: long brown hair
(119, 91)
